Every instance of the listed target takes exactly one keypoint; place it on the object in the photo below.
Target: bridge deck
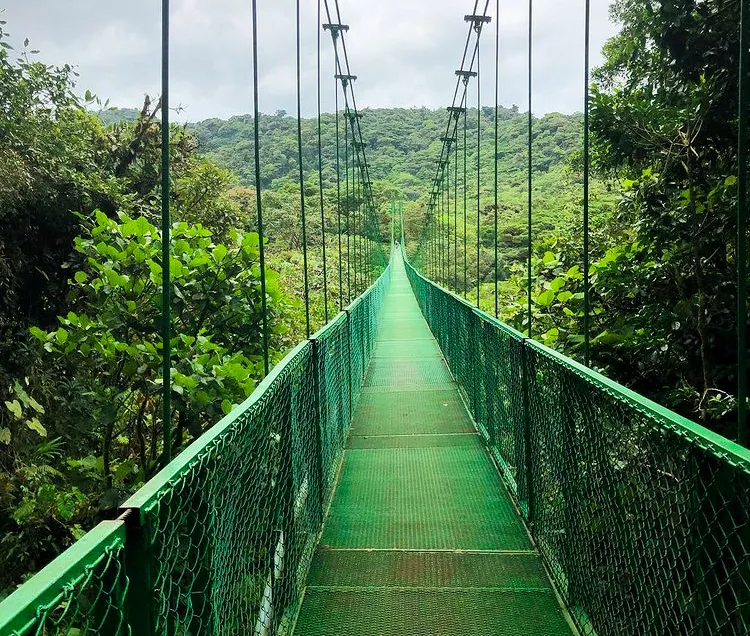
(421, 538)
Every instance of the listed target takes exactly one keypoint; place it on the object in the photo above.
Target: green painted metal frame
(132, 534)
(24, 611)
(562, 435)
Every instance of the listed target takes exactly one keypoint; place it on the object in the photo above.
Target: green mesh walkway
(421, 538)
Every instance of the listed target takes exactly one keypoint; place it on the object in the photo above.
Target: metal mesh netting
(232, 535)
(335, 389)
(642, 517)
(421, 536)
(645, 522)
(221, 540)
(82, 593)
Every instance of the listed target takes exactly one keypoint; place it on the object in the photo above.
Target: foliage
(663, 273)
(111, 348)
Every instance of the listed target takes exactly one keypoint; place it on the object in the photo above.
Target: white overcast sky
(403, 51)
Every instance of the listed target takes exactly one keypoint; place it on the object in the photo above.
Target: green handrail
(84, 588)
(220, 540)
(642, 516)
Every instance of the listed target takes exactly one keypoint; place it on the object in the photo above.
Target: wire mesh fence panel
(230, 527)
(228, 534)
(500, 400)
(452, 322)
(356, 349)
(335, 396)
(363, 314)
(83, 592)
(642, 517)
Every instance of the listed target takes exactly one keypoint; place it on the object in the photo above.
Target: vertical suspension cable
(442, 226)
(479, 135)
(528, 263)
(303, 220)
(465, 184)
(497, 99)
(441, 232)
(258, 203)
(448, 219)
(743, 434)
(348, 207)
(358, 224)
(455, 208)
(360, 220)
(320, 186)
(166, 303)
(586, 169)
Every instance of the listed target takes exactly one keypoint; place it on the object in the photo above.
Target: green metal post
(527, 437)
(141, 595)
(321, 422)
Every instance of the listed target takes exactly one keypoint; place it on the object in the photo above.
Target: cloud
(403, 51)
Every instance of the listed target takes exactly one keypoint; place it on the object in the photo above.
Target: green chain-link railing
(642, 516)
(220, 541)
(83, 591)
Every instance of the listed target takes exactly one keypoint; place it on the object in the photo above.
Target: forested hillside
(402, 146)
(80, 268)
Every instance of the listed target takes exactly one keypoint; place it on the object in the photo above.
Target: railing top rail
(48, 587)
(704, 437)
(732, 452)
(150, 491)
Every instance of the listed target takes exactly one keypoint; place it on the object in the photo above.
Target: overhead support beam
(477, 21)
(335, 28)
(456, 110)
(345, 79)
(466, 75)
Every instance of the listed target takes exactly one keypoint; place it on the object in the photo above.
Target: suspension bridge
(416, 466)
